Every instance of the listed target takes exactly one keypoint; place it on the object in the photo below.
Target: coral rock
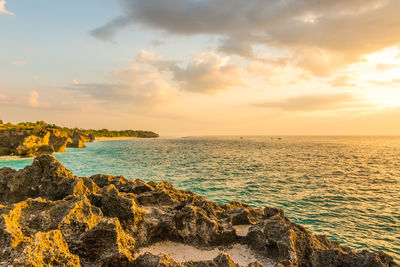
(48, 217)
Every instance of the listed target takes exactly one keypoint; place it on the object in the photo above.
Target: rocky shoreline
(29, 139)
(28, 144)
(49, 217)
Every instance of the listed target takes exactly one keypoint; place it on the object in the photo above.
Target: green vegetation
(39, 126)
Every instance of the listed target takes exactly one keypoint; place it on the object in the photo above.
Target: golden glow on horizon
(382, 77)
(390, 98)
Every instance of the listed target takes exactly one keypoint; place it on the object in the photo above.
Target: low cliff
(29, 139)
(28, 143)
(48, 216)
(78, 140)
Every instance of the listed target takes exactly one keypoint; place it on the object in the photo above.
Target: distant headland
(28, 139)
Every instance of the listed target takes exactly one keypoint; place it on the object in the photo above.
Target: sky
(203, 67)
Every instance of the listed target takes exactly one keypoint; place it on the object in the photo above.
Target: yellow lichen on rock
(120, 205)
(82, 217)
(126, 243)
(85, 187)
(82, 212)
(48, 249)
(13, 225)
(107, 244)
(33, 143)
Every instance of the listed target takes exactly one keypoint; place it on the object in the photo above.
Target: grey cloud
(238, 46)
(234, 16)
(102, 91)
(345, 29)
(315, 102)
(157, 42)
(108, 31)
(209, 76)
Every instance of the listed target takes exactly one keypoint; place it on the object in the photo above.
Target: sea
(347, 187)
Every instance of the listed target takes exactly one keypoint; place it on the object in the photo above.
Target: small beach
(113, 138)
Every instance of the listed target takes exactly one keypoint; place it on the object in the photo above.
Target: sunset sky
(203, 67)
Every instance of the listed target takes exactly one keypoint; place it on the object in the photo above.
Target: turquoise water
(346, 187)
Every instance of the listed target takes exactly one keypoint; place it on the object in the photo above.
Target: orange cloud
(19, 63)
(34, 102)
(3, 9)
(33, 99)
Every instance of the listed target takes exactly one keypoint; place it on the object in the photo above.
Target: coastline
(113, 138)
(97, 139)
(57, 218)
(29, 139)
(10, 157)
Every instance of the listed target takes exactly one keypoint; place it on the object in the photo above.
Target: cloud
(34, 102)
(23, 99)
(150, 79)
(238, 46)
(387, 83)
(139, 84)
(3, 9)
(157, 42)
(342, 81)
(319, 36)
(208, 74)
(19, 63)
(108, 31)
(33, 99)
(147, 57)
(316, 102)
(385, 67)
(145, 93)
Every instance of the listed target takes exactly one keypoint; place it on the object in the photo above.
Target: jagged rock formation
(48, 217)
(23, 143)
(33, 143)
(78, 140)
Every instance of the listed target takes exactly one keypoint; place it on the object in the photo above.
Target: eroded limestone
(50, 217)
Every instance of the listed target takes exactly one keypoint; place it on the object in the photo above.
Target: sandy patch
(242, 230)
(240, 254)
(113, 138)
(5, 158)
